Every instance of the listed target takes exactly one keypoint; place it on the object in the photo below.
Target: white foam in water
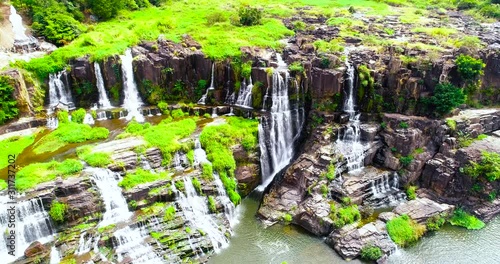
(132, 100)
(88, 119)
(282, 125)
(131, 242)
(32, 224)
(204, 97)
(196, 213)
(52, 122)
(349, 143)
(104, 102)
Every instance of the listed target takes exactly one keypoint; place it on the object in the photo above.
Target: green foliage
(371, 253)
(3, 185)
(165, 135)
(216, 17)
(36, 173)
(163, 108)
(177, 114)
(257, 95)
(404, 125)
(58, 211)
(287, 218)
(324, 189)
(249, 16)
(463, 219)
(8, 104)
(179, 185)
(446, 97)
(334, 46)
(330, 174)
(488, 167)
(14, 146)
(411, 192)
(69, 132)
(97, 159)
(491, 10)
(190, 156)
(141, 176)
(383, 125)
(169, 213)
(344, 215)
(211, 204)
(467, 4)
(404, 231)
(197, 185)
(207, 171)
(296, 67)
(406, 160)
(469, 67)
(246, 69)
(78, 116)
(435, 223)
(452, 124)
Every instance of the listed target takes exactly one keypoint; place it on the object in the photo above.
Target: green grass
(169, 213)
(94, 159)
(463, 219)
(211, 204)
(58, 211)
(14, 146)
(371, 253)
(411, 192)
(404, 231)
(344, 215)
(165, 135)
(3, 185)
(141, 176)
(36, 173)
(69, 133)
(207, 171)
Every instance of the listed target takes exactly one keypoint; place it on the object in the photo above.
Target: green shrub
(287, 218)
(141, 176)
(78, 116)
(207, 171)
(324, 190)
(463, 219)
(196, 185)
(452, 124)
(249, 16)
(36, 173)
(469, 67)
(211, 204)
(216, 17)
(406, 160)
(371, 253)
(488, 167)
(404, 125)
(177, 113)
(466, 4)
(8, 104)
(404, 231)
(435, 223)
(383, 125)
(492, 10)
(163, 108)
(346, 200)
(58, 211)
(411, 192)
(97, 159)
(296, 67)
(169, 213)
(446, 97)
(105, 9)
(330, 174)
(344, 215)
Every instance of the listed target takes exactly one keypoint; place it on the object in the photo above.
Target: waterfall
(277, 132)
(55, 258)
(52, 122)
(245, 94)
(88, 119)
(384, 191)
(17, 25)
(179, 161)
(103, 97)
(129, 241)
(58, 92)
(229, 208)
(204, 97)
(32, 224)
(350, 142)
(196, 213)
(132, 100)
(101, 115)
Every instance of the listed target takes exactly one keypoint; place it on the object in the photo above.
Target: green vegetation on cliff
(94, 159)
(141, 176)
(371, 253)
(58, 211)
(14, 146)
(488, 167)
(463, 219)
(36, 173)
(404, 231)
(8, 104)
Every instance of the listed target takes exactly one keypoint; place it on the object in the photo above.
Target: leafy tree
(250, 16)
(469, 67)
(105, 9)
(446, 97)
(8, 104)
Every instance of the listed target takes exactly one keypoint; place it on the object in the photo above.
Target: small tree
(446, 97)
(469, 67)
(249, 16)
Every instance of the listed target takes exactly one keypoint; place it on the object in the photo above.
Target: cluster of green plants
(446, 97)
(411, 192)
(68, 132)
(14, 146)
(211, 204)
(463, 219)
(346, 214)
(58, 211)
(488, 8)
(371, 253)
(36, 173)
(141, 176)
(207, 171)
(169, 213)
(94, 159)
(8, 104)
(406, 160)
(488, 167)
(165, 135)
(435, 223)
(404, 231)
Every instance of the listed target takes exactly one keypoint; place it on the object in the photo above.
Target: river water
(254, 244)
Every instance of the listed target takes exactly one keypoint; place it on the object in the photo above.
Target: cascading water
(350, 142)
(384, 191)
(52, 122)
(20, 37)
(204, 97)
(196, 213)
(88, 119)
(129, 241)
(104, 102)
(55, 258)
(245, 94)
(284, 125)
(58, 92)
(229, 208)
(132, 100)
(32, 224)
